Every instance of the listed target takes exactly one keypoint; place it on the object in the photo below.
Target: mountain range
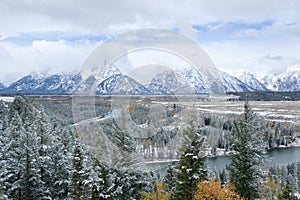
(179, 81)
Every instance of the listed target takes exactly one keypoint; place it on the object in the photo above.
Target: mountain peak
(39, 75)
(2, 86)
(294, 68)
(178, 81)
(111, 70)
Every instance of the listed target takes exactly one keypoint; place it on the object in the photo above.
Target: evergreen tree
(62, 149)
(287, 193)
(10, 169)
(33, 185)
(244, 169)
(3, 116)
(170, 178)
(42, 130)
(23, 151)
(3, 139)
(81, 172)
(35, 155)
(191, 167)
(127, 177)
(100, 181)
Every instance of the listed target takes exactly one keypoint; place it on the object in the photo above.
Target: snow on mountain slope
(288, 81)
(110, 71)
(26, 84)
(189, 80)
(120, 84)
(60, 83)
(250, 79)
(91, 83)
(169, 82)
(195, 80)
(1, 86)
(37, 84)
(180, 81)
(233, 84)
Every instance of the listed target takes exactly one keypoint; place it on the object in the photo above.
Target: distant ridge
(179, 81)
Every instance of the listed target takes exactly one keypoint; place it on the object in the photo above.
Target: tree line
(44, 158)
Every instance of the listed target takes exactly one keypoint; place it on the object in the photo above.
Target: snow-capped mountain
(169, 82)
(233, 84)
(120, 84)
(189, 80)
(288, 81)
(195, 79)
(250, 79)
(93, 81)
(60, 83)
(178, 81)
(26, 84)
(1, 86)
(43, 84)
(111, 71)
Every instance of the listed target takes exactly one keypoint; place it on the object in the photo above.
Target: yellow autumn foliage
(157, 194)
(213, 190)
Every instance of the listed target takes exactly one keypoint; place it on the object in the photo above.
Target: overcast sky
(58, 35)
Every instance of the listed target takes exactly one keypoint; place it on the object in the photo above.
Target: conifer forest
(44, 155)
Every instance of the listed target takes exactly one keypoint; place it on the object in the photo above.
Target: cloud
(51, 56)
(58, 35)
(27, 38)
(268, 57)
(104, 17)
(233, 30)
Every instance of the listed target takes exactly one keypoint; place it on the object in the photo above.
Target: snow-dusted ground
(280, 111)
(7, 99)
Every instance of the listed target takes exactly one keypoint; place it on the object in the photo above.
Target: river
(280, 156)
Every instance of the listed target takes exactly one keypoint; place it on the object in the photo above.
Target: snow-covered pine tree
(81, 171)
(10, 173)
(32, 184)
(20, 173)
(248, 144)
(3, 137)
(126, 146)
(28, 146)
(41, 128)
(3, 116)
(170, 179)
(127, 176)
(192, 164)
(100, 181)
(36, 156)
(63, 144)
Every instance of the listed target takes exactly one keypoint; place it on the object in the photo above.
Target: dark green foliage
(25, 158)
(170, 178)
(287, 193)
(192, 164)
(223, 176)
(288, 178)
(207, 121)
(80, 189)
(127, 185)
(267, 96)
(244, 169)
(40, 159)
(100, 182)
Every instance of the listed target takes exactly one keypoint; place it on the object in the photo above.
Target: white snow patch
(7, 99)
